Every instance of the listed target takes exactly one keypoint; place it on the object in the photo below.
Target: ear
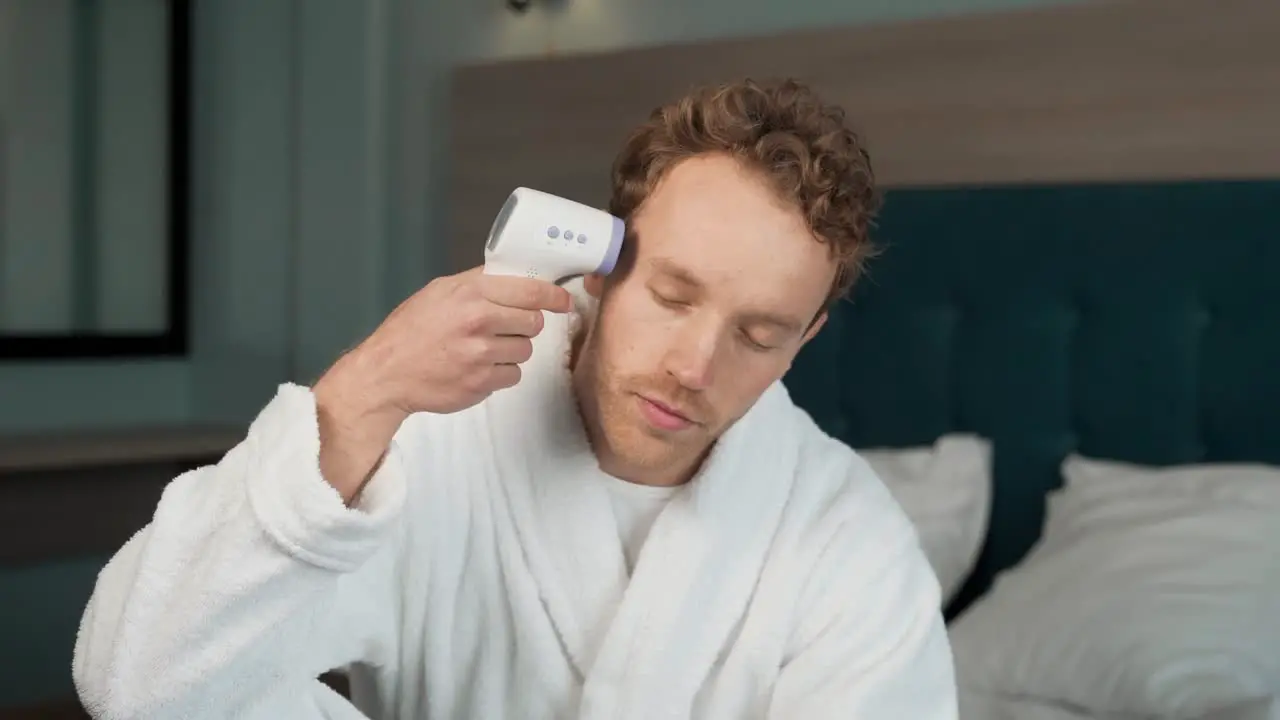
(814, 327)
(594, 284)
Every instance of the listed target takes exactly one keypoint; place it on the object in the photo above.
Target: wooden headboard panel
(1129, 90)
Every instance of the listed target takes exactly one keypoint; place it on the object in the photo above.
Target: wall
(457, 32)
(487, 30)
(82, 172)
(43, 265)
(290, 215)
(290, 202)
(289, 264)
(319, 162)
(318, 166)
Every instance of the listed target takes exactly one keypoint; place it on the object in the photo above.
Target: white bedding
(1153, 593)
(945, 490)
(981, 706)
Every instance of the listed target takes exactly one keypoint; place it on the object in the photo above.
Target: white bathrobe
(482, 576)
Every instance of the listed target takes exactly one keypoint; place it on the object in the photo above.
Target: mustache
(689, 403)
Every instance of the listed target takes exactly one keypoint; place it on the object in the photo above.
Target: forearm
(242, 579)
(356, 425)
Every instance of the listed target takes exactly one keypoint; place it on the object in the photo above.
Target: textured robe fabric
(481, 576)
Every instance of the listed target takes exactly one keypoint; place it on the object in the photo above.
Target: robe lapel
(697, 572)
(561, 513)
(641, 648)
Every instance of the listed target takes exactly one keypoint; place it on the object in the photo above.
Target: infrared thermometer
(543, 236)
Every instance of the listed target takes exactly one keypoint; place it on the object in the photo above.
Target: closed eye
(756, 344)
(668, 301)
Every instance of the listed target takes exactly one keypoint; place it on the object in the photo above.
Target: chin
(634, 446)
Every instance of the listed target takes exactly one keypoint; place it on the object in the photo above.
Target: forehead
(723, 224)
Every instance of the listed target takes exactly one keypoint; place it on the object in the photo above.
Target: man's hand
(446, 348)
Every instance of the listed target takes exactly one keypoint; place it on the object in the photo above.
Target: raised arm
(252, 578)
(280, 562)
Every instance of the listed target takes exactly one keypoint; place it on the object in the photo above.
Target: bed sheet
(975, 705)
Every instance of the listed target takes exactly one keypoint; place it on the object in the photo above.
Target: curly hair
(783, 129)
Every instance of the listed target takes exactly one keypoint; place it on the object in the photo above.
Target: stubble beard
(621, 442)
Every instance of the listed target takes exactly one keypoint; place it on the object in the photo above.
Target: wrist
(351, 394)
(356, 423)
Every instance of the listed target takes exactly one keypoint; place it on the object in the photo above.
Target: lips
(662, 415)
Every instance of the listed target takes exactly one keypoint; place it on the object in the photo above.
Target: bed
(1091, 323)
(1134, 322)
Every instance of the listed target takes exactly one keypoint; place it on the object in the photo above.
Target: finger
(504, 376)
(503, 320)
(525, 293)
(509, 350)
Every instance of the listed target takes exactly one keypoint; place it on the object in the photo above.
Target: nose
(692, 356)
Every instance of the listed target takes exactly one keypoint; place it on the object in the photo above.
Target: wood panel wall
(1125, 90)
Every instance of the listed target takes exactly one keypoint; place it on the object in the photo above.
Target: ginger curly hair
(784, 130)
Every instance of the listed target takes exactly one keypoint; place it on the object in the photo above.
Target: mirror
(94, 102)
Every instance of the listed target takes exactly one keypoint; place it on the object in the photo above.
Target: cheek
(633, 335)
(743, 379)
(739, 389)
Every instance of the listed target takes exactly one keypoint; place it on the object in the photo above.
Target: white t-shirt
(635, 507)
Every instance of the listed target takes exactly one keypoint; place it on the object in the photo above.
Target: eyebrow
(679, 274)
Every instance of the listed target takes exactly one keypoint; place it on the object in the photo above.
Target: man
(626, 518)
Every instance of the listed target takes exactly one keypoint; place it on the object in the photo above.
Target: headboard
(1081, 231)
(1138, 322)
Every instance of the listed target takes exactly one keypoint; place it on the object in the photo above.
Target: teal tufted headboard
(1135, 322)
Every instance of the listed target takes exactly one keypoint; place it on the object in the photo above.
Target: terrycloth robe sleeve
(872, 643)
(252, 578)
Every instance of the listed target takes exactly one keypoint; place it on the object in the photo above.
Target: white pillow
(945, 490)
(1154, 593)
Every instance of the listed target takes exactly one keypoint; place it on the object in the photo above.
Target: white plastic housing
(540, 235)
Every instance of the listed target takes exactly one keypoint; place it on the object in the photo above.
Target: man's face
(721, 291)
